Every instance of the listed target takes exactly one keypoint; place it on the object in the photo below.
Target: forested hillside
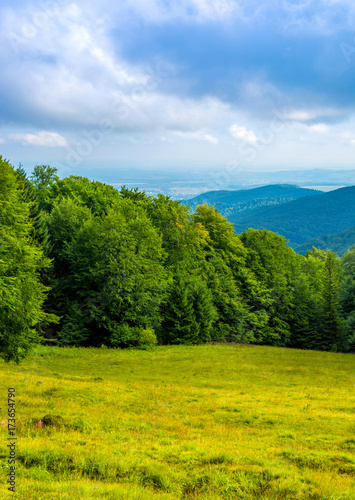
(305, 218)
(229, 203)
(88, 265)
(338, 243)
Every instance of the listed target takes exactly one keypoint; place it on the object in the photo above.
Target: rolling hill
(339, 243)
(229, 203)
(305, 218)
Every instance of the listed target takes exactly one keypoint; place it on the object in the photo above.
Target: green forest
(83, 264)
(340, 243)
(302, 219)
(241, 202)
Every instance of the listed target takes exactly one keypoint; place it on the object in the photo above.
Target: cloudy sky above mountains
(259, 83)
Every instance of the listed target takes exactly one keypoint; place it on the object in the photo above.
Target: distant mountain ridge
(229, 203)
(305, 218)
(339, 243)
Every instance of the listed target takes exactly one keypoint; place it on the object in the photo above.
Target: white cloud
(315, 16)
(42, 139)
(211, 139)
(319, 16)
(316, 128)
(243, 134)
(299, 115)
(317, 113)
(76, 77)
(319, 128)
(2, 141)
(92, 84)
(346, 138)
(197, 136)
(187, 10)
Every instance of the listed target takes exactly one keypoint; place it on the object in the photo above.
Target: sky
(251, 84)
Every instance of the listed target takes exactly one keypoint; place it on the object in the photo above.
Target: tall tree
(188, 312)
(21, 260)
(273, 263)
(205, 311)
(30, 195)
(333, 335)
(44, 179)
(348, 281)
(347, 294)
(179, 325)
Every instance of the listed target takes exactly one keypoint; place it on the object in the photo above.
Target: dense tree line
(89, 265)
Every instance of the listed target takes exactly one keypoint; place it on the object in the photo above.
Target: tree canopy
(120, 268)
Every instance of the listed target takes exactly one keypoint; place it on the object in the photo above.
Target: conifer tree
(348, 296)
(205, 312)
(40, 230)
(333, 334)
(21, 260)
(305, 331)
(179, 324)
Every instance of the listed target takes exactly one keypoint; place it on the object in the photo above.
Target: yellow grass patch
(204, 422)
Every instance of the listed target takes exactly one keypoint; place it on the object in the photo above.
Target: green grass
(208, 422)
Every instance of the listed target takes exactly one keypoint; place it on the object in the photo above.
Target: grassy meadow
(206, 422)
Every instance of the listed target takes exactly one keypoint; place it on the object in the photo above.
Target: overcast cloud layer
(259, 83)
